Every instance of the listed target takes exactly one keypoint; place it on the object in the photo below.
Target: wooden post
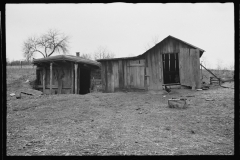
(76, 67)
(50, 78)
(145, 77)
(44, 74)
(72, 72)
(78, 82)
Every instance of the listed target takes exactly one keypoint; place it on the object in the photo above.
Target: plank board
(110, 77)
(115, 73)
(120, 74)
(72, 78)
(43, 81)
(136, 74)
(195, 68)
(103, 77)
(184, 67)
(76, 79)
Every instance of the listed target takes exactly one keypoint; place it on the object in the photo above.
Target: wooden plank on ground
(32, 92)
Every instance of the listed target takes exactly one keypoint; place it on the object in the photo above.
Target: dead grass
(132, 123)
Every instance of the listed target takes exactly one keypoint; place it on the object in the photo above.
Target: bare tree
(155, 40)
(103, 53)
(47, 44)
(131, 55)
(86, 56)
(231, 66)
(204, 61)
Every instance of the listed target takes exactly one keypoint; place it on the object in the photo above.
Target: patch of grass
(132, 123)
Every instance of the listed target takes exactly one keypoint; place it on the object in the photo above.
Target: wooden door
(136, 74)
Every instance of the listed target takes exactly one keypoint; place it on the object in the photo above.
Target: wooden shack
(64, 74)
(170, 62)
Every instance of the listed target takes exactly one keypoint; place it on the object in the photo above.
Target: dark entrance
(84, 80)
(171, 68)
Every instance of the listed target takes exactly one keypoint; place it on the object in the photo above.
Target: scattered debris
(12, 94)
(209, 99)
(27, 81)
(31, 92)
(168, 128)
(177, 103)
(18, 95)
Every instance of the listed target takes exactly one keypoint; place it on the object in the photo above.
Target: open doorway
(170, 68)
(84, 80)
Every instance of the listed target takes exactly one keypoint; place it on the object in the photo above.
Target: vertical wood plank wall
(72, 78)
(184, 67)
(117, 74)
(195, 65)
(76, 75)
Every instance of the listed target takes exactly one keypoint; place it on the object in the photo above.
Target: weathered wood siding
(122, 74)
(146, 72)
(154, 67)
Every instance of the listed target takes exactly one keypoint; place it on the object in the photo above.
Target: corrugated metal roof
(71, 58)
(151, 48)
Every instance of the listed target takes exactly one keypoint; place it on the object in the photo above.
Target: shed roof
(153, 47)
(183, 42)
(70, 58)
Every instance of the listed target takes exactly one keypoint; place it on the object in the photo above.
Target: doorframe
(176, 66)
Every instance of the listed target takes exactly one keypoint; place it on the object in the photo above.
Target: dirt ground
(122, 123)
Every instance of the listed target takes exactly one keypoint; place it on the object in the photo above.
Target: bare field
(122, 123)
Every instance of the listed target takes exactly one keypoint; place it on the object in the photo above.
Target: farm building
(170, 62)
(63, 74)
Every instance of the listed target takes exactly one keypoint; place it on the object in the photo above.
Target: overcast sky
(125, 29)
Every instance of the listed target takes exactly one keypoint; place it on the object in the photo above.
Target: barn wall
(121, 74)
(63, 78)
(96, 82)
(59, 73)
(154, 67)
(116, 74)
